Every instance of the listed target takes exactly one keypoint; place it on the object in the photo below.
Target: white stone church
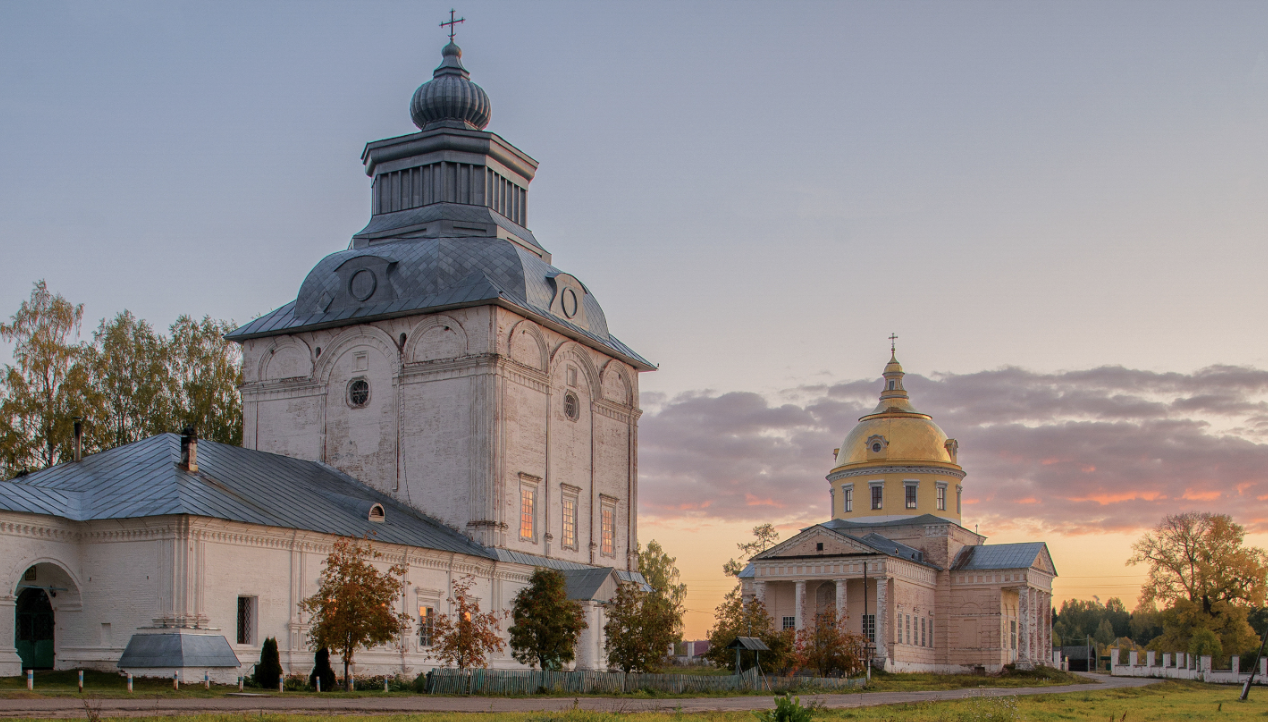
(439, 385)
(443, 388)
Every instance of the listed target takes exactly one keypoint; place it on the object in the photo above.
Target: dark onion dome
(450, 95)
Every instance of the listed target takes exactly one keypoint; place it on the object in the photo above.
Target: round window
(572, 406)
(362, 284)
(569, 302)
(876, 447)
(358, 392)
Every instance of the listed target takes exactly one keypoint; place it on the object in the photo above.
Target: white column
(1023, 627)
(882, 638)
(801, 604)
(10, 662)
(1045, 626)
(842, 611)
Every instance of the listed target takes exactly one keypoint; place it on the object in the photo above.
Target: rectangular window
(847, 498)
(426, 625)
(907, 626)
(869, 627)
(942, 498)
(608, 525)
(931, 633)
(246, 620)
(790, 622)
(528, 511)
(878, 496)
(570, 522)
(922, 631)
(1012, 629)
(910, 491)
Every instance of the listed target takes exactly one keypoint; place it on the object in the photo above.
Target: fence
(496, 682)
(1183, 666)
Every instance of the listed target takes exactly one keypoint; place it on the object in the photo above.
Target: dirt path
(73, 707)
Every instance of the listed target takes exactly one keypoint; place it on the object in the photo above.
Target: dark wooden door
(35, 629)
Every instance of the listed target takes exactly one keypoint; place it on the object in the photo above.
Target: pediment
(1043, 562)
(806, 544)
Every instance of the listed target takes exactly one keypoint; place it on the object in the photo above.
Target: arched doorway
(35, 629)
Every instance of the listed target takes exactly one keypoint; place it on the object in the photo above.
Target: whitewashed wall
(133, 574)
(465, 408)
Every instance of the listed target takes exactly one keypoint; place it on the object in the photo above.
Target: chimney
(79, 438)
(189, 449)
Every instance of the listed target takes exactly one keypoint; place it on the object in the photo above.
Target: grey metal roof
(177, 650)
(144, 479)
(586, 584)
(517, 557)
(999, 556)
(432, 274)
(892, 548)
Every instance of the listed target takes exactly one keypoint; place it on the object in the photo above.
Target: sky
(1057, 206)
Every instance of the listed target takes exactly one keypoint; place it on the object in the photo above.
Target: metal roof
(999, 556)
(426, 275)
(892, 548)
(144, 479)
(587, 584)
(177, 650)
(533, 560)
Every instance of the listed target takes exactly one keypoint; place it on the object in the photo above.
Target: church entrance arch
(34, 627)
(42, 590)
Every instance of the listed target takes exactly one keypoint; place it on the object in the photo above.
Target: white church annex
(438, 385)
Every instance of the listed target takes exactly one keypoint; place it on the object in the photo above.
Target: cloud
(1103, 449)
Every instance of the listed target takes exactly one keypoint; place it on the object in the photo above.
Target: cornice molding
(957, 474)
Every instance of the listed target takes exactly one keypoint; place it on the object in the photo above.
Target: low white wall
(1179, 665)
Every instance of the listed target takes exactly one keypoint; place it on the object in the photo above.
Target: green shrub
(787, 709)
(269, 669)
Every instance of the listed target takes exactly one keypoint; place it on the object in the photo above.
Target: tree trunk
(347, 681)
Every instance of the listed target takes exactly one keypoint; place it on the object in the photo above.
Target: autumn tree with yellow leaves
(353, 606)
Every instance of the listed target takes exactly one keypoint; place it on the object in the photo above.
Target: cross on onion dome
(452, 24)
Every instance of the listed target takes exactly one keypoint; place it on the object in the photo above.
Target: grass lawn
(112, 685)
(103, 684)
(1042, 677)
(1165, 701)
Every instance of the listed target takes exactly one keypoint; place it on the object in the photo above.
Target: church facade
(438, 386)
(894, 560)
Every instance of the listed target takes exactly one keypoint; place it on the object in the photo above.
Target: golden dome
(895, 432)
